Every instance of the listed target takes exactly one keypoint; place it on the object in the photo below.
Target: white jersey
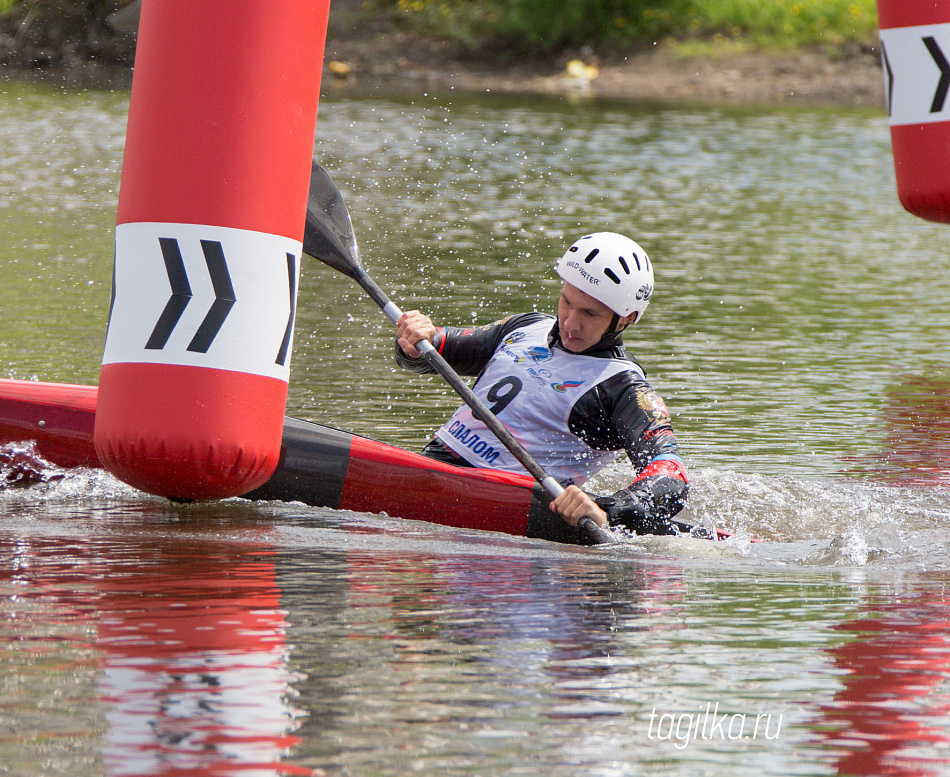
(532, 388)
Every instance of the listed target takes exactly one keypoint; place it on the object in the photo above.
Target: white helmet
(612, 269)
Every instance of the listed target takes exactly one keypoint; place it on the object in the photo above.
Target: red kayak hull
(319, 466)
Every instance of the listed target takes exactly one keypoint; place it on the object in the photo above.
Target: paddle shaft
(433, 358)
(328, 237)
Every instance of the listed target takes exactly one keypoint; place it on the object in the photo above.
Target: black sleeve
(625, 413)
(468, 349)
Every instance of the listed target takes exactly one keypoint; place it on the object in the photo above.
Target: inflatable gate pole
(915, 49)
(194, 376)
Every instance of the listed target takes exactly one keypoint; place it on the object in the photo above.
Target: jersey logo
(650, 403)
(567, 384)
(537, 353)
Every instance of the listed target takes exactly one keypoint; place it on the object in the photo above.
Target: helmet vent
(612, 275)
(591, 255)
(637, 260)
(623, 263)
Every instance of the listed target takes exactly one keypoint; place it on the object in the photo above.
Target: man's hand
(574, 504)
(412, 327)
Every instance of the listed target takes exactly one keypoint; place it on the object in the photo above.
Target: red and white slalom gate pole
(915, 49)
(211, 213)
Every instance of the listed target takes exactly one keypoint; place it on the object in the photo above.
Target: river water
(799, 333)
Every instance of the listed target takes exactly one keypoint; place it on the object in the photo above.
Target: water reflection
(191, 644)
(456, 655)
(889, 717)
(281, 640)
(916, 419)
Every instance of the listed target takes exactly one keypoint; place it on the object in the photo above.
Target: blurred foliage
(547, 26)
(44, 32)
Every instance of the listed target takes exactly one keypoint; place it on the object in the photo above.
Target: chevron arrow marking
(224, 297)
(292, 283)
(940, 95)
(181, 294)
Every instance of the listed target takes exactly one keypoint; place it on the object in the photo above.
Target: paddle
(328, 237)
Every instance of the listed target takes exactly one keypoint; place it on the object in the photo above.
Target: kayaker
(567, 389)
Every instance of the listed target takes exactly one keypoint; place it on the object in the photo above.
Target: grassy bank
(549, 26)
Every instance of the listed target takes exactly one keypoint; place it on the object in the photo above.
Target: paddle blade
(328, 234)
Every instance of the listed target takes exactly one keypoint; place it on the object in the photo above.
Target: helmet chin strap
(610, 339)
(615, 321)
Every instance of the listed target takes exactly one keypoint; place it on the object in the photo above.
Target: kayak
(319, 466)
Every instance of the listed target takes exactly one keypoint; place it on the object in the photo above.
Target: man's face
(581, 319)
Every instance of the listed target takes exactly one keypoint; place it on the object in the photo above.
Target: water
(799, 334)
